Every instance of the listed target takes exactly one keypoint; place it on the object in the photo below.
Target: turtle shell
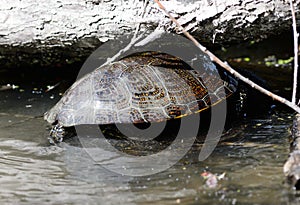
(145, 87)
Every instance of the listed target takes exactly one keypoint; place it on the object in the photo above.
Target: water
(34, 172)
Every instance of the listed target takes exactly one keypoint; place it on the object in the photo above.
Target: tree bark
(58, 32)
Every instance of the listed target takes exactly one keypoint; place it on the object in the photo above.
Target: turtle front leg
(56, 134)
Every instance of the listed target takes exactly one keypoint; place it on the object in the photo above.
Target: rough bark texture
(63, 31)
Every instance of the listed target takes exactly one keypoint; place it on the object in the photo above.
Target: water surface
(34, 172)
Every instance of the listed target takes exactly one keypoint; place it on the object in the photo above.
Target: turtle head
(56, 134)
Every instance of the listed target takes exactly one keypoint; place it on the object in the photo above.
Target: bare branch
(226, 66)
(295, 52)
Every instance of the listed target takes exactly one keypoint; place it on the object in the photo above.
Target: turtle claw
(56, 134)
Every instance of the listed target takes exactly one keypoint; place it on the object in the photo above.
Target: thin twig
(295, 52)
(133, 40)
(226, 66)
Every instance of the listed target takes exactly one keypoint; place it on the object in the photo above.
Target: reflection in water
(32, 171)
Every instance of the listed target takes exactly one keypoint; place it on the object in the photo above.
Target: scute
(149, 87)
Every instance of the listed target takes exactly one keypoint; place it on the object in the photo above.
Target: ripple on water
(33, 172)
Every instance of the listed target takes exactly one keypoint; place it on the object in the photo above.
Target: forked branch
(227, 66)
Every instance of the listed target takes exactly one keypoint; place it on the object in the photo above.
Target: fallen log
(47, 33)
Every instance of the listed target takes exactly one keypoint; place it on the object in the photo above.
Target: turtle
(140, 88)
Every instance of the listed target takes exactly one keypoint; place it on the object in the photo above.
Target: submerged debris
(211, 180)
(8, 87)
(51, 87)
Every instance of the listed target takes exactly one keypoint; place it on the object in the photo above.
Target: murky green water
(33, 172)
